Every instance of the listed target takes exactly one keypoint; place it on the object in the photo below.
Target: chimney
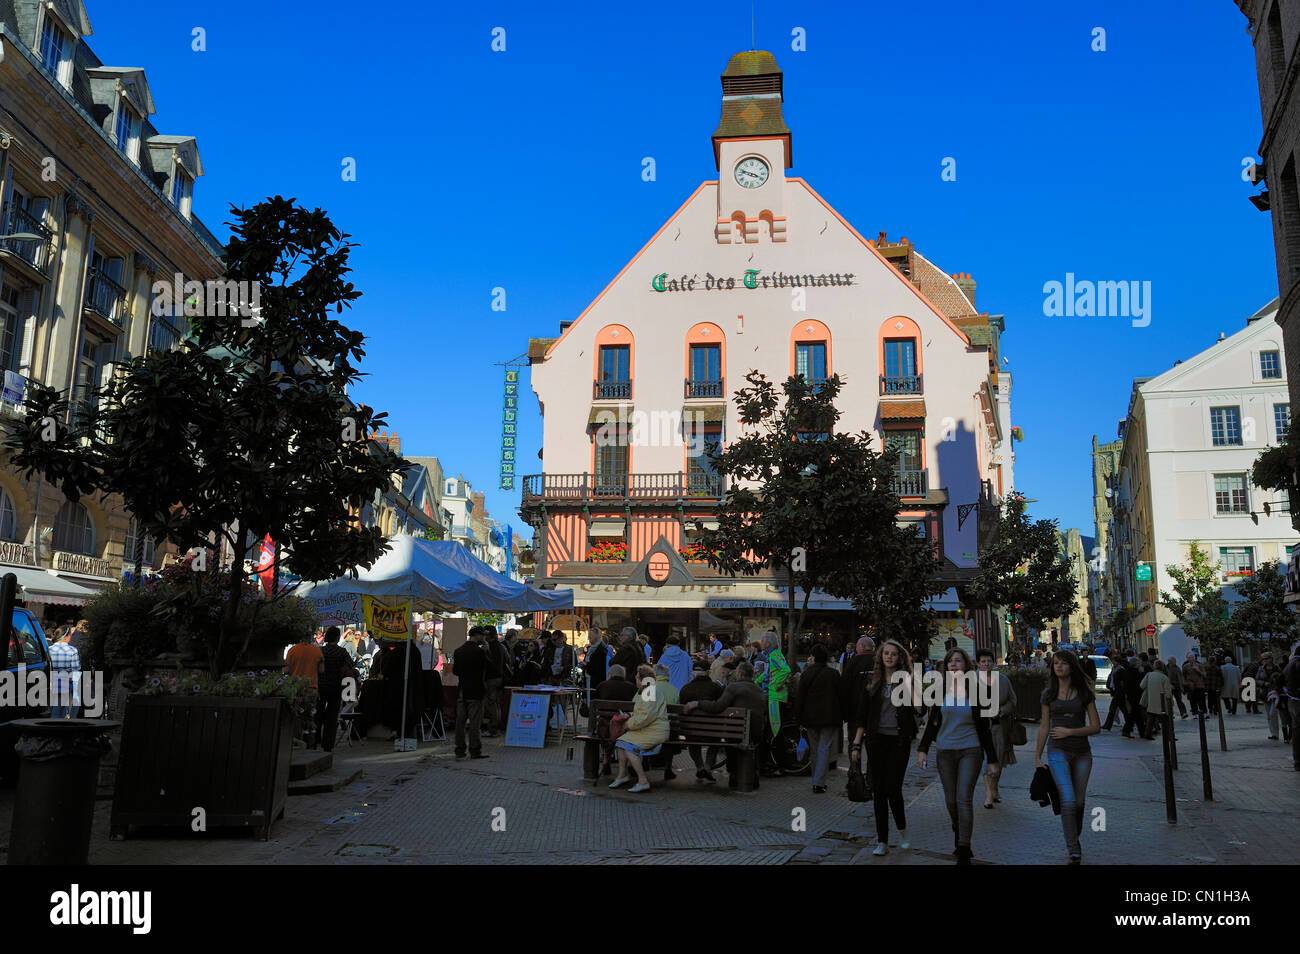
(966, 284)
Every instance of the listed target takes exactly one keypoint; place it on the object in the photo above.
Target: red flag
(264, 569)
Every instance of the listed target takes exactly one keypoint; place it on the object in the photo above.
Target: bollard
(55, 801)
(1173, 743)
(1167, 737)
(1223, 733)
(1205, 759)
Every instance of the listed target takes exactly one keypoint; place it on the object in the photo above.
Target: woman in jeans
(963, 738)
(1069, 716)
(889, 730)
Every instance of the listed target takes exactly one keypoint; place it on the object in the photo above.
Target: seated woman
(645, 732)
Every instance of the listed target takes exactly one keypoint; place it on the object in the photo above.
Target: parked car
(1104, 666)
(28, 651)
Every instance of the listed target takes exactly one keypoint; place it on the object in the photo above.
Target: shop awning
(607, 528)
(610, 414)
(902, 410)
(704, 413)
(41, 586)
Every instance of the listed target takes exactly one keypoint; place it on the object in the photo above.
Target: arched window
(8, 516)
(128, 556)
(74, 532)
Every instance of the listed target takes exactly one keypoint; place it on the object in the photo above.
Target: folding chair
(432, 728)
(348, 726)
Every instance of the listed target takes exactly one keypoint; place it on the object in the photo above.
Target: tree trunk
(789, 585)
(224, 658)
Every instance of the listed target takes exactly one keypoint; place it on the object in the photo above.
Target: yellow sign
(387, 622)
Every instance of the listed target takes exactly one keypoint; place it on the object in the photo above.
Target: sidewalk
(524, 806)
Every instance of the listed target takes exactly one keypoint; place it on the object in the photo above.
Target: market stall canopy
(41, 586)
(442, 577)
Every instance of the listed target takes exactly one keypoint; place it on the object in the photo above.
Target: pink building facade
(755, 271)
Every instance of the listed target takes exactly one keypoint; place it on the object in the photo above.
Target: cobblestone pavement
(523, 806)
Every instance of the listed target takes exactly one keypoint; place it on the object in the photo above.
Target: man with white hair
(854, 679)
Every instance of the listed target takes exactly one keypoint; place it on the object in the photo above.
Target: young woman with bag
(888, 729)
(1069, 716)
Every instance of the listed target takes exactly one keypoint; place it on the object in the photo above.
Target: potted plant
(243, 435)
(607, 551)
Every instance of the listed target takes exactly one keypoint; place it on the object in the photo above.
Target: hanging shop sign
(751, 279)
(509, 422)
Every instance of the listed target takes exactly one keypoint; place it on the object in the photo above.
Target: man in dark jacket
(701, 689)
(597, 659)
(817, 709)
(853, 681)
(616, 686)
(1118, 695)
(1213, 683)
(741, 693)
(558, 660)
(628, 654)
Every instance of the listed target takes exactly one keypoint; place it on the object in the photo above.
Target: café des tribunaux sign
(753, 278)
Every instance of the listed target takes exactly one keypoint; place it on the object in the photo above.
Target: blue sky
(522, 169)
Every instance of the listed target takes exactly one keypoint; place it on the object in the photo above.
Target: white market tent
(438, 576)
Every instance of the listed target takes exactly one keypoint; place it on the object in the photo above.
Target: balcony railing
(611, 390)
(105, 297)
(910, 483)
(900, 384)
(580, 488)
(35, 253)
(705, 388)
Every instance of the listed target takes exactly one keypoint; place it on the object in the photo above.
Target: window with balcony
(810, 361)
(1230, 494)
(900, 367)
(615, 372)
(1270, 365)
(1281, 421)
(166, 332)
(909, 480)
(55, 44)
(702, 478)
(105, 295)
(1237, 563)
(26, 214)
(1225, 426)
(610, 478)
(706, 372)
(74, 532)
(128, 131)
(8, 517)
(93, 368)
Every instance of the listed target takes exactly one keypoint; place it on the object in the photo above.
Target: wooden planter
(228, 756)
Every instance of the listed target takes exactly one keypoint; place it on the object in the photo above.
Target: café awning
(39, 585)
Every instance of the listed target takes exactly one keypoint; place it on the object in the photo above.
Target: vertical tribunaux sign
(509, 423)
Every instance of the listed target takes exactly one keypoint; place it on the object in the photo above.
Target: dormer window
(55, 46)
(182, 191)
(128, 131)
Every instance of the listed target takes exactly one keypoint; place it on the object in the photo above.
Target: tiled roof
(751, 63)
(537, 348)
(940, 289)
(902, 410)
(752, 116)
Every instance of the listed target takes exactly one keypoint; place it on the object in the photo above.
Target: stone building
(95, 207)
(1103, 600)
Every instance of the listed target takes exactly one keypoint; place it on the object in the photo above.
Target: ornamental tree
(1022, 569)
(1197, 600)
(1263, 614)
(244, 432)
(816, 505)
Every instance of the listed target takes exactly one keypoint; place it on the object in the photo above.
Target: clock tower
(752, 150)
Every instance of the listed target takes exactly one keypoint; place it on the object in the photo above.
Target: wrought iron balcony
(619, 486)
(35, 253)
(900, 384)
(705, 388)
(105, 297)
(910, 483)
(611, 390)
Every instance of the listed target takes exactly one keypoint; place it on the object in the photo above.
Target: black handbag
(1018, 734)
(859, 784)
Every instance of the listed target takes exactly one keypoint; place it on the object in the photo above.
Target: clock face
(751, 173)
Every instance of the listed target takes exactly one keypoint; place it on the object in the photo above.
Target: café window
(611, 462)
(615, 379)
(74, 532)
(706, 371)
(900, 366)
(810, 361)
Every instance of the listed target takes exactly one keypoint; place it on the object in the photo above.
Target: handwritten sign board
(526, 724)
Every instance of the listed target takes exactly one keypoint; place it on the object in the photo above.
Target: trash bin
(55, 801)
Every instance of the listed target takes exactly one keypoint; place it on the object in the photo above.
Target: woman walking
(888, 731)
(1194, 683)
(1069, 716)
(962, 738)
(1001, 726)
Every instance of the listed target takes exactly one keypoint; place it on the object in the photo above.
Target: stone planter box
(228, 756)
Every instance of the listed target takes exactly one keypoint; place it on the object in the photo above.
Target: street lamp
(22, 237)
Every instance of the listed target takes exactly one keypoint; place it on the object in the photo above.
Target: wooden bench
(726, 730)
